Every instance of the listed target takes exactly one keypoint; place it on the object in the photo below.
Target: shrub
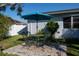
(5, 23)
(34, 40)
(52, 27)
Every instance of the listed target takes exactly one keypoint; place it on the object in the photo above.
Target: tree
(13, 7)
(5, 23)
(51, 28)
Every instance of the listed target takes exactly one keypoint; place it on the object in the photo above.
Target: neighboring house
(17, 28)
(68, 21)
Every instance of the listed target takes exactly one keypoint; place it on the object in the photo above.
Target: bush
(34, 40)
(5, 23)
(52, 27)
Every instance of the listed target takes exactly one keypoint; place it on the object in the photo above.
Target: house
(68, 21)
(17, 28)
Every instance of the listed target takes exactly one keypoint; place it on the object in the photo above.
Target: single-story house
(68, 21)
(17, 28)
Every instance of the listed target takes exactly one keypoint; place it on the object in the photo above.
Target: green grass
(73, 47)
(11, 41)
(6, 54)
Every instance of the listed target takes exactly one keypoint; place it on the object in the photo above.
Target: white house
(17, 28)
(68, 21)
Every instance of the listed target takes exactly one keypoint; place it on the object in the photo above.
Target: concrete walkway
(36, 51)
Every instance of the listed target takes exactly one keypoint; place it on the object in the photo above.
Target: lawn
(6, 54)
(73, 47)
(11, 41)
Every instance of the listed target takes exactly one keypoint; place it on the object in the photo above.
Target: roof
(63, 11)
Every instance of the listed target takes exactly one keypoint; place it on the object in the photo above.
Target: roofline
(62, 11)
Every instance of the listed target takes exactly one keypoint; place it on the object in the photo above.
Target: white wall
(32, 26)
(59, 32)
(14, 29)
(42, 24)
(59, 20)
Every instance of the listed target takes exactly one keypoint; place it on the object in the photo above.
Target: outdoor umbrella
(37, 17)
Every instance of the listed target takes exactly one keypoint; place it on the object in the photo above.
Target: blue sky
(30, 8)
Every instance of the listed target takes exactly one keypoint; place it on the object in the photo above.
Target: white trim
(71, 22)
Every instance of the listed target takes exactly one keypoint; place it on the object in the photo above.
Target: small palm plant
(51, 27)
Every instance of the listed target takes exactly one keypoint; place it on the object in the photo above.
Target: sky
(30, 8)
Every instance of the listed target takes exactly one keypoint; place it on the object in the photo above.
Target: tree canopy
(13, 6)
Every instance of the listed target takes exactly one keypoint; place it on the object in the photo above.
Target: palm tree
(13, 6)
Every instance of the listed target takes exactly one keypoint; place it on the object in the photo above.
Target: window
(71, 23)
(76, 22)
(67, 22)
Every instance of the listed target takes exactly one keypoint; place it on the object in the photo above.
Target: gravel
(36, 51)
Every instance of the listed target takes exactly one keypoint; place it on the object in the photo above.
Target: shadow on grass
(72, 46)
(70, 54)
(72, 41)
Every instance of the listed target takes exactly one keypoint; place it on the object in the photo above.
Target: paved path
(36, 51)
